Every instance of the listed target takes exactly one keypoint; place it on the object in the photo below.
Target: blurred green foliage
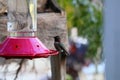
(86, 15)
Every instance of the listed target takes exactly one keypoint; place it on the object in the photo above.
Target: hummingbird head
(57, 38)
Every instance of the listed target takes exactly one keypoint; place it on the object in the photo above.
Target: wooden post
(56, 67)
(63, 69)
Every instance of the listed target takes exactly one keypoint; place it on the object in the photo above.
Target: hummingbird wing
(63, 48)
(60, 47)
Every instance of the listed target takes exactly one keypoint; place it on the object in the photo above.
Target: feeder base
(24, 47)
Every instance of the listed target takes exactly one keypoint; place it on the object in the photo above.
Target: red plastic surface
(27, 47)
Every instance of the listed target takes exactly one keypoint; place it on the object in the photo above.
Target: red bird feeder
(22, 42)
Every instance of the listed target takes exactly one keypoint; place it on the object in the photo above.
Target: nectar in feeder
(22, 26)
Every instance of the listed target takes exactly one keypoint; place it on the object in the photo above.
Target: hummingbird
(59, 46)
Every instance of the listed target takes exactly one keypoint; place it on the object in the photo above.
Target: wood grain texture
(50, 25)
(3, 6)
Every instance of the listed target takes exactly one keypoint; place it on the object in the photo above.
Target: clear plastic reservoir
(22, 15)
